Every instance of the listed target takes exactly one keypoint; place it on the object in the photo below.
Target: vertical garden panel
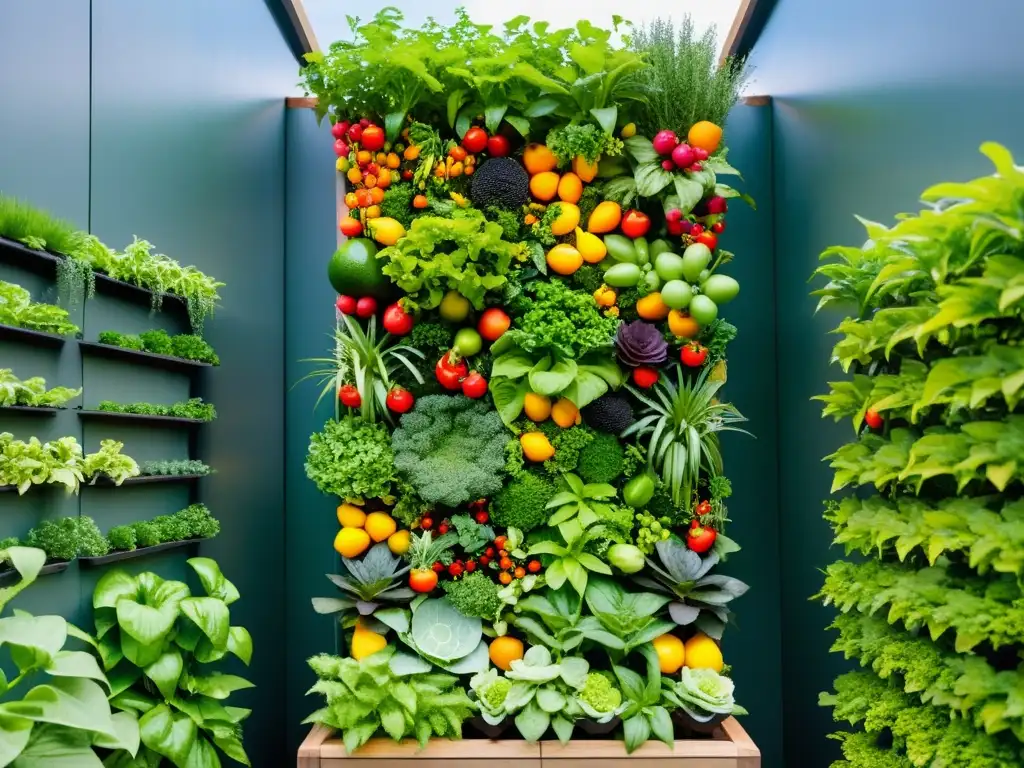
(309, 298)
(188, 152)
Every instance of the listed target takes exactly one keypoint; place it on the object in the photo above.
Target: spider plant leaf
(598, 491)
(643, 398)
(561, 499)
(565, 513)
(408, 364)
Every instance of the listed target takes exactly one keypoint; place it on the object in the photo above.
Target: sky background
(329, 24)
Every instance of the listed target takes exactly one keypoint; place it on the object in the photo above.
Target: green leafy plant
(582, 504)
(351, 459)
(554, 618)
(438, 254)
(60, 462)
(631, 616)
(368, 696)
(185, 346)
(373, 581)
(931, 342)
(175, 467)
(17, 309)
(32, 392)
(193, 522)
(441, 636)
(541, 691)
(156, 639)
(66, 711)
(371, 364)
(451, 449)
(698, 596)
(645, 713)
(522, 503)
(682, 421)
(475, 595)
(571, 561)
(702, 694)
(68, 537)
(194, 409)
(600, 459)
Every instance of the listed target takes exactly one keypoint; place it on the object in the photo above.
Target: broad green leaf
(14, 735)
(146, 624)
(27, 561)
(508, 396)
(532, 722)
(166, 671)
(35, 639)
(52, 746)
(211, 616)
(202, 755)
(651, 179)
(76, 664)
(689, 192)
(139, 654)
(217, 685)
(635, 731)
(126, 726)
(606, 117)
(240, 644)
(230, 743)
(661, 726)
(493, 115)
(521, 124)
(168, 733)
(71, 702)
(213, 581)
(513, 365)
(112, 587)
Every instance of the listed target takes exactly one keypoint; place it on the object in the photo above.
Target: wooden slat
(300, 21)
(300, 102)
(588, 751)
(309, 750)
(739, 26)
(756, 101)
(436, 749)
(745, 746)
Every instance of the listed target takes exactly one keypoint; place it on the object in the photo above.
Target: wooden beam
(300, 21)
(739, 27)
(756, 101)
(300, 102)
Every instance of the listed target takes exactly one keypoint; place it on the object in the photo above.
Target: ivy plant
(157, 641)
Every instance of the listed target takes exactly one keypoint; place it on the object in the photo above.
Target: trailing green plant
(438, 254)
(66, 712)
(683, 82)
(174, 467)
(368, 584)
(183, 345)
(351, 459)
(451, 449)
(682, 420)
(32, 392)
(157, 638)
(61, 462)
(931, 342)
(17, 309)
(368, 363)
(698, 597)
(372, 695)
(194, 409)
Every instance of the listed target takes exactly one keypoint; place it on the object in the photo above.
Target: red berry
(474, 386)
(339, 129)
(475, 140)
(500, 541)
(497, 146)
(366, 307)
(668, 165)
(364, 121)
(340, 148)
(717, 204)
(470, 566)
(696, 229)
(443, 527)
(489, 551)
(687, 227)
(397, 321)
(718, 227)
(482, 517)
(484, 560)
(873, 419)
(693, 355)
(645, 376)
(674, 215)
(407, 175)
(355, 133)
(349, 396)
(426, 523)
(704, 508)
(399, 400)
(533, 566)
(346, 305)
(438, 567)
(455, 569)
(700, 153)
(674, 227)
(696, 168)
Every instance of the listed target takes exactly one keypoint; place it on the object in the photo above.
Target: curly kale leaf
(451, 449)
(351, 459)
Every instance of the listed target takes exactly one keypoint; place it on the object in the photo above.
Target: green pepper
(660, 246)
(643, 254)
(638, 491)
(621, 249)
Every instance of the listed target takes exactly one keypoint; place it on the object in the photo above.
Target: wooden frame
(300, 22)
(730, 748)
(738, 30)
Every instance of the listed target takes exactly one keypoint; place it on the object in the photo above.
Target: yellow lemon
(564, 413)
(605, 217)
(591, 247)
(536, 407)
(564, 259)
(671, 653)
(351, 516)
(351, 542)
(536, 446)
(398, 542)
(568, 219)
(366, 642)
(380, 525)
(703, 653)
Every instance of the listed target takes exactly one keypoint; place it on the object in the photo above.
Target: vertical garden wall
(185, 147)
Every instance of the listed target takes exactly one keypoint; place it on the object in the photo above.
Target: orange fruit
(377, 195)
(373, 212)
(604, 218)
(411, 152)
(536, 407)
(703, 653)
(544, 185)
(564, 413)
(399, 541)
(586, 171)
(381, 158)
(351, 516)
(384, 180)
(354, 175)
(370, 181)
(671, 653)
(393, 160)
(351, 201)
(366, 642)
(651, 307)
(705, 135)
(564, 259)
(351, 542)
(364, 197)
(504, 650)
(567, 220)
(538, 159)
(682, 325)
(536, 446)
(363, 157)
(570, 188)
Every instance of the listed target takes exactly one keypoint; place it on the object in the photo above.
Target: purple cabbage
(639, 343)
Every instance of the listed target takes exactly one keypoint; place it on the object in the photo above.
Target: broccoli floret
(428, 337)
(523, 502)
(619, 520)
(157, 342)
(719, 487)
(600, 694)
(515, 464)
(122, 537)
(397, 204)
(601, 459)
(587, 278)
(569, 445)
(474, 595)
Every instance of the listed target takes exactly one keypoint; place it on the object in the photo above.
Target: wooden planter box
(730, 747)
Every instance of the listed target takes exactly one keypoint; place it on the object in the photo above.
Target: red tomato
(350, 227)
(422, 580)
(873, 419)
(498, 146)
(718, 227)
(373, 138)
(475, 140)
(396, 320)
(709, 239)
(349, 396)
(399, 400)
(450, 374)
(474, 386)
(338, 130)
(493, 323)
(346, 305)
(693, 355)
(340, 148)
(700, 538)
(355, 133)
(644, 376)
(635, 224)
(366, 307)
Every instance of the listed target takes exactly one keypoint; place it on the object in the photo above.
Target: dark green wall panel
(309, 299)
(863, 122)
(752, 645)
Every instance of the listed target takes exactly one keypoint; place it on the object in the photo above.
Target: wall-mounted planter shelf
(28, 410)
(131, 292)
(141, 418)
(131, 554)
(9, 574)
(167, 362)
(728, 747)
(105, 482)
(20, 255)
(24, 335)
